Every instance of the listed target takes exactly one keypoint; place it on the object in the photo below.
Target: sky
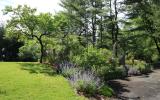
(51, 6)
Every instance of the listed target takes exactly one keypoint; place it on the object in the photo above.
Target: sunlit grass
(22, 81)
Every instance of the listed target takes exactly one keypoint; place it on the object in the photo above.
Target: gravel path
(146, 87)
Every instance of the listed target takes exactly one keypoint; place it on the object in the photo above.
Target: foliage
(61, 24)
(141, 66)
(117, 73)
(147, 69)
(106, 91)
(54, 50)
(88, 88)
(64, 49)
(29, 52)
(8, 47)
(93, 58)
(26, 23)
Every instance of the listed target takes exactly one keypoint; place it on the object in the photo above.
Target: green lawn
(31, 81)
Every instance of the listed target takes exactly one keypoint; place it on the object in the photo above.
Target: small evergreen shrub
(106, 91)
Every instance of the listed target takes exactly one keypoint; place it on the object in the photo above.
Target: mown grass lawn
(31, 81)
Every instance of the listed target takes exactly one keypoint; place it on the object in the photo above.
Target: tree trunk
(101, 31)
(112, 25)
(93, 25)
(101, 26)
(124, 64)
(42, 50)
(116, 27)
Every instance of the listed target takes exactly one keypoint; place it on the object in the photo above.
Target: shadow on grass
(36, 68)
(3, 92)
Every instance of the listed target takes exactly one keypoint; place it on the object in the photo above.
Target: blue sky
(41, 5)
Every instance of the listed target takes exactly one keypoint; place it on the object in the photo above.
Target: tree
(88, 16)
(28, 24)
(8, 47)
(145, 13)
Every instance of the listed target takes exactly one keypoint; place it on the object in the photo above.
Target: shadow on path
(143, 87)
(120, 88)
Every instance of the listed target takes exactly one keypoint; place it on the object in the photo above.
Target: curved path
(145, 87)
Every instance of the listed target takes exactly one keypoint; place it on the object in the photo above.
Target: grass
(32, 81)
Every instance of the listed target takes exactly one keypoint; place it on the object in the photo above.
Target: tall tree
(28, 24)
(145, 13)
(89, 16)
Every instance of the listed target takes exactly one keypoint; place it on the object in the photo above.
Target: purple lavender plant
(83, 80)
(86, 81)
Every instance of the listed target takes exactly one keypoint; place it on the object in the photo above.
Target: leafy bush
(140, 66)
(145, 68)
(117, 73)
(88, 88)
(29, 52)
(106, 91)
(155, 58)
(64, 49)
(54, 50)
(100, 62)
(93, 58)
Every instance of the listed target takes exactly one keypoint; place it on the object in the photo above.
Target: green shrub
(55, 50)
(117, 73)
(155, 58)
(145, 68)
(64, 49)
(142, 66)
(93, 58)
(29, 52)
(106, 91)
(101, 62)
(88, 88)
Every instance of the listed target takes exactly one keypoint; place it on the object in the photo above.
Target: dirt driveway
(146, 87)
